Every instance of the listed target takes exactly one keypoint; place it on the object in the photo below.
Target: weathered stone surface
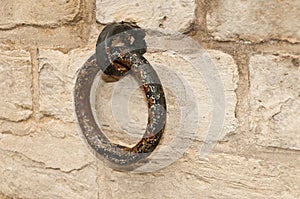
(228, 72)
(275, 100)
(254, 20)
(149, 14)
(238, 177)
(57, 80)
(48, 156)
(30, 37)
(15, 86)
(52, 143)
(41, 13)
(45, 155)
(49, 161)
(16, 128)
(22, 177)
(62, 25)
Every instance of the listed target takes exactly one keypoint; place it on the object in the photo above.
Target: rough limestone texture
(43, 153)
(43, 24)
(49, 157)
(57, 75)
(159, 15)
(275, 100)
(41, 13)
(219, 176)
(255, 21)
(15, 85)
(22, 177)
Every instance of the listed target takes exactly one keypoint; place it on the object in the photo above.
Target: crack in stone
(23, 107)
(277, 148)
(71, 170)
(47, 115)
(25, 119)
(23, 156)
(281, 104)
(9, 132)
(42, 165)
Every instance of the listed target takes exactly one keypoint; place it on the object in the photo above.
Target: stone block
(37, 13)
(275, 100)
(254, 21)
(149, 14)
(15, 86)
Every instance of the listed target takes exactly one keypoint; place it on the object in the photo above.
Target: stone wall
(255, 47)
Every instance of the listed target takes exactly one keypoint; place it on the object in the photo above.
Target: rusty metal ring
(119, 51)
